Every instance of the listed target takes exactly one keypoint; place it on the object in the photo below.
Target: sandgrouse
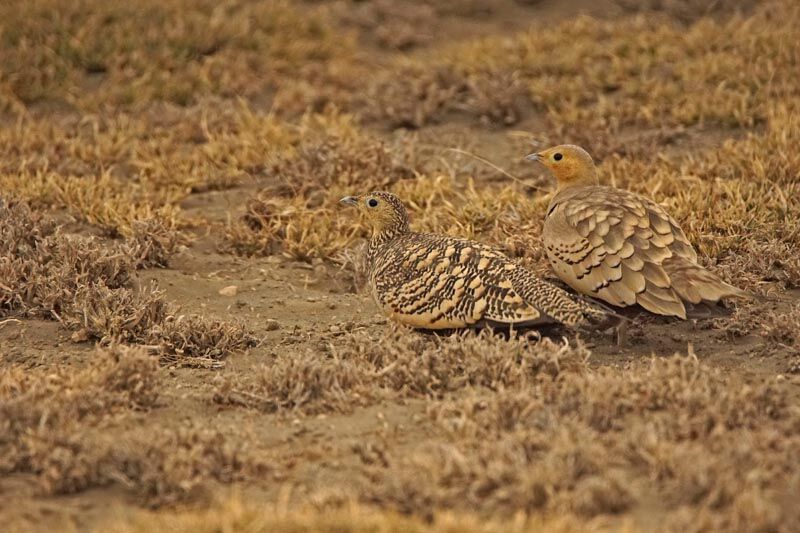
(619, 246)
(430, 281)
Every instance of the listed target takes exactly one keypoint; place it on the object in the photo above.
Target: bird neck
(386, 230)
(586, 179)
(386, 234)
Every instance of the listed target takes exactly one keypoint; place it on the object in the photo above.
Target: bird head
(384, 211)
(571, 165)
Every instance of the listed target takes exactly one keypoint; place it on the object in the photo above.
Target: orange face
(570, 164)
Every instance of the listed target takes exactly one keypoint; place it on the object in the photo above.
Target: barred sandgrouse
(431, 281)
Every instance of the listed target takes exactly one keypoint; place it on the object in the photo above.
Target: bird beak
(533, 157)
(349, 200)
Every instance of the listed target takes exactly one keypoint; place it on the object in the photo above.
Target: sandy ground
(293, 307)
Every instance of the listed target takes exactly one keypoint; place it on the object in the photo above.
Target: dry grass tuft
(177, 465)
(274, 224)
(87, 287)
(298, 215)
(237, 513)
(306, 383)
(406, 24)
(775, 322)
(595, 78)
(333, 151)
(433, 367)
(597, 442)
(360, 367)
(416, 95)
(43, 269)
(152, 242)
(197, 340)
(93, 53)
(43, 414)
(58, 426)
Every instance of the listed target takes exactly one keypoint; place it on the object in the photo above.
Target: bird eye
(372, 202)
(558, 156)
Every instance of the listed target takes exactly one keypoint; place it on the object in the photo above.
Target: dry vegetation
(594, 82)
(533, 427)
(233, 514)
(591, 443)
(358, 368)
(93, 53)
(153, 153)
(55, 425)
(88, 287)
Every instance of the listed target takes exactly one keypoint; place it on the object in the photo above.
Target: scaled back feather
(619, 246)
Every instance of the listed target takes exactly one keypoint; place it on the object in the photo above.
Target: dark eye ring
(558, 156)
(372, 202)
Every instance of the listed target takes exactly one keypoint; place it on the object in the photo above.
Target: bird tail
(579, 312)
(562, 306)
(695, 284)
(596, 315)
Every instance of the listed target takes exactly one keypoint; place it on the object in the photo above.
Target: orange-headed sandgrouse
(619, 246)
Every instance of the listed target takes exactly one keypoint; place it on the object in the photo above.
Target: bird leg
(621, 333)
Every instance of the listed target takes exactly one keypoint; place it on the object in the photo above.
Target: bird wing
(612, 244)
(433, 282)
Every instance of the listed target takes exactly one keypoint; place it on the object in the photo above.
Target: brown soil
(329, 449)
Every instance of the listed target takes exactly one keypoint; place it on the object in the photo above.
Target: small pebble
(271, 324)
(82, 335)
(230, 290)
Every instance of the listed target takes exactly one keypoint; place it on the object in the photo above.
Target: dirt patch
(185, 337)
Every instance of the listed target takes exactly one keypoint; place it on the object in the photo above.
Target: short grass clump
(333, 151)
(305, 384)
(152, 242)
(88, 287)
(117, 171)
(598, 442)
(298, 213)
(59, 425)
(418, 94)
(593, 79)
(179, 465)
(43, 268)
(94, 53)
(357, 369)
(43, 413)
(775, 320)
